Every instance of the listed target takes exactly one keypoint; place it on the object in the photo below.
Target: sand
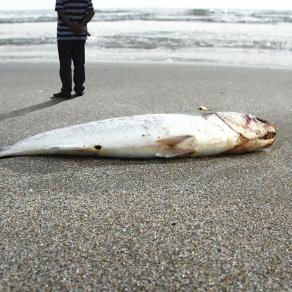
(158, 225)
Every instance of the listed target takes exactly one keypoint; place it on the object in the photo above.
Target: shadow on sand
(53, 164)
(32, 108)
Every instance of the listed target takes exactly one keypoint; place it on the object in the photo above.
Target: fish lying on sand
(153, 135)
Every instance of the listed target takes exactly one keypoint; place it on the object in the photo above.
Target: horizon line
(154, 8)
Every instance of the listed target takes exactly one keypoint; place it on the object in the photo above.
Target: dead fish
(153, 135)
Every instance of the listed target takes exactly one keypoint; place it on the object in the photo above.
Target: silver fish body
(153, 135)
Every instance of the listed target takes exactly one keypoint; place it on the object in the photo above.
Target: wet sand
(164, 225)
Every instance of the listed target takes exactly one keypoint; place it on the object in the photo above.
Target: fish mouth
(270, 130)
(269, 136)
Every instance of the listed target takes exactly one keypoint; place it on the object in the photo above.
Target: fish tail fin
(4, 152)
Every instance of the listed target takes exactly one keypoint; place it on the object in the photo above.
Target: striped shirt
(75, 11)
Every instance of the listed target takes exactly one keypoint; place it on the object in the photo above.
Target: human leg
(65, 58)
(78, 56)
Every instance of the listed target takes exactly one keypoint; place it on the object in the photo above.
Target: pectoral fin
(178, 146)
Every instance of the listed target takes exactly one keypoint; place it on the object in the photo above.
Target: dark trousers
(72, 50)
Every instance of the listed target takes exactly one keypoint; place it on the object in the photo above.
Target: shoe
(79, 90)
(62, 95)
(79, 93)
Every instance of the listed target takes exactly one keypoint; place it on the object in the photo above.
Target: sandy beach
(70, 223)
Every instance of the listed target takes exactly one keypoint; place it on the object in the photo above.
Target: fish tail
(4, 152)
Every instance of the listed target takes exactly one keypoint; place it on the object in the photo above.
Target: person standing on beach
(73, 16)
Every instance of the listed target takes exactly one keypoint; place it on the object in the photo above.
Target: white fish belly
(161, 135)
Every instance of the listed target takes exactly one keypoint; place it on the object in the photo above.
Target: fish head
(254, 133)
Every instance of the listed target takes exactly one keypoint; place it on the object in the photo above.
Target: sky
(101, 4)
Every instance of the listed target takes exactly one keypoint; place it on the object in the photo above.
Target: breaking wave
(189, 15)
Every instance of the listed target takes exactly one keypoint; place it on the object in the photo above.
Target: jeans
(72, 50)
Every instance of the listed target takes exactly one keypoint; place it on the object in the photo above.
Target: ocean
(236, 37)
